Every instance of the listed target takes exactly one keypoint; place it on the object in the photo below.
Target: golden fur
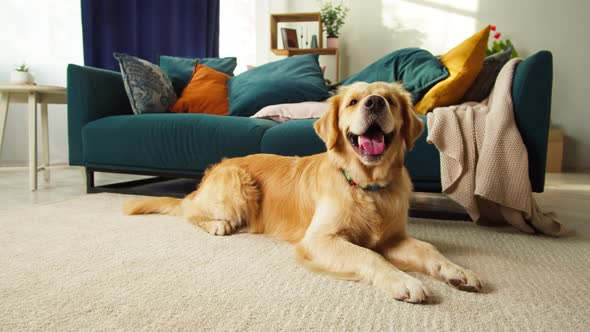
(336, 228)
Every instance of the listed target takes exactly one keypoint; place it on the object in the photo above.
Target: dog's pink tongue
(372, 143)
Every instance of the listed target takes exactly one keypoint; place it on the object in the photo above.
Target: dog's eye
(353, 102)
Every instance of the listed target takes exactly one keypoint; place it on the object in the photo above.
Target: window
(237, 35)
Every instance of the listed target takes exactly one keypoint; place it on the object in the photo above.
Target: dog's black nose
(375, 103)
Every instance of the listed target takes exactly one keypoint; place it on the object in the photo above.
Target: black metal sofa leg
(89, 181)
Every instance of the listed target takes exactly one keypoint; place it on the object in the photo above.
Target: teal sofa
(105, 136)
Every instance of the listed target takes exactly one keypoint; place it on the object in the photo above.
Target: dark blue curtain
(148, 29)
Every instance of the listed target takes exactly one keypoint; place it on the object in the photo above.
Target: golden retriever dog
(345, 210)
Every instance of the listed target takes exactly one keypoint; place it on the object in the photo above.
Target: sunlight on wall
(237, 35)
(47, 35)
(41, 33)
(464, 5)
(444, 23)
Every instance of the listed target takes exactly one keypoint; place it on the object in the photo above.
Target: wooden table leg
(45, 141)
(33, 141)
(4, 100)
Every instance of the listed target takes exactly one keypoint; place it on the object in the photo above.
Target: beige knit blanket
(484, 163)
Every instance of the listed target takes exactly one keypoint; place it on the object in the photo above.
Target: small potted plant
(333, 18)
(21, 75)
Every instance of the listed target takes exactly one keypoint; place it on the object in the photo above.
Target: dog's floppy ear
(412, 127)
(327, 126)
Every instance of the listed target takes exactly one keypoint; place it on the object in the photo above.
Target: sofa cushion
(148, 88)
(290, 80)
(180, 70)
(170, 142)
(417, 69)
(205, 93)
(423, 162)
(292, 138)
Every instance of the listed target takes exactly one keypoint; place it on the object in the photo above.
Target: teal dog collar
(369, 187)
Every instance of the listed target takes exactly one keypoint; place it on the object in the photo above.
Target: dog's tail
(161, 205)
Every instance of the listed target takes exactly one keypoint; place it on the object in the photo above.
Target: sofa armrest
(92, 94)
(531, 96)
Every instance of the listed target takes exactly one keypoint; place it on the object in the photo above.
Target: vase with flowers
(333, 18)
(499, 45)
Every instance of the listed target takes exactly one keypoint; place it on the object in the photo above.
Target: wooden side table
(32, 94)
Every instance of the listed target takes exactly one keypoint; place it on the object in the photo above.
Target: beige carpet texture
(81, 265)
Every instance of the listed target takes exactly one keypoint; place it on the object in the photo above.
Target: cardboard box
(554, 150)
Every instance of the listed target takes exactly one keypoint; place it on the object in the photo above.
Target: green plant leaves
(500, 46)
(22, 67)
(333, 18)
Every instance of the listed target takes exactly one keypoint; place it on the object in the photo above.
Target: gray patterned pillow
(484, 83)
(149, 89)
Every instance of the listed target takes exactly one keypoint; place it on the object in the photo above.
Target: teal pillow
(291, 80)
(417, 69)
(180, 70)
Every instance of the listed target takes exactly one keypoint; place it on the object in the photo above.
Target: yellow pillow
(464, 63)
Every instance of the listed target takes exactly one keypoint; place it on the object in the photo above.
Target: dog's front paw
(461, 278)
(405, 288)
(217, 227)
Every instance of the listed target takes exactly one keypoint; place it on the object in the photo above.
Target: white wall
(47, 35)
(376, 27)
(245, 30)
(237, 23)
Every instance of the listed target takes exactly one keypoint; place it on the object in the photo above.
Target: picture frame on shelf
(290, 39)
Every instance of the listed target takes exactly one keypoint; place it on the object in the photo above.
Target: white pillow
(295, 111)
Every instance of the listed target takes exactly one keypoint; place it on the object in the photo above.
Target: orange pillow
(205, 93)
(464, 63)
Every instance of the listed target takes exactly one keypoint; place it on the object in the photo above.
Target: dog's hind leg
(227, 198)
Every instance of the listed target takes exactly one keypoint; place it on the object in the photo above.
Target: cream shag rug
(82, 265)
